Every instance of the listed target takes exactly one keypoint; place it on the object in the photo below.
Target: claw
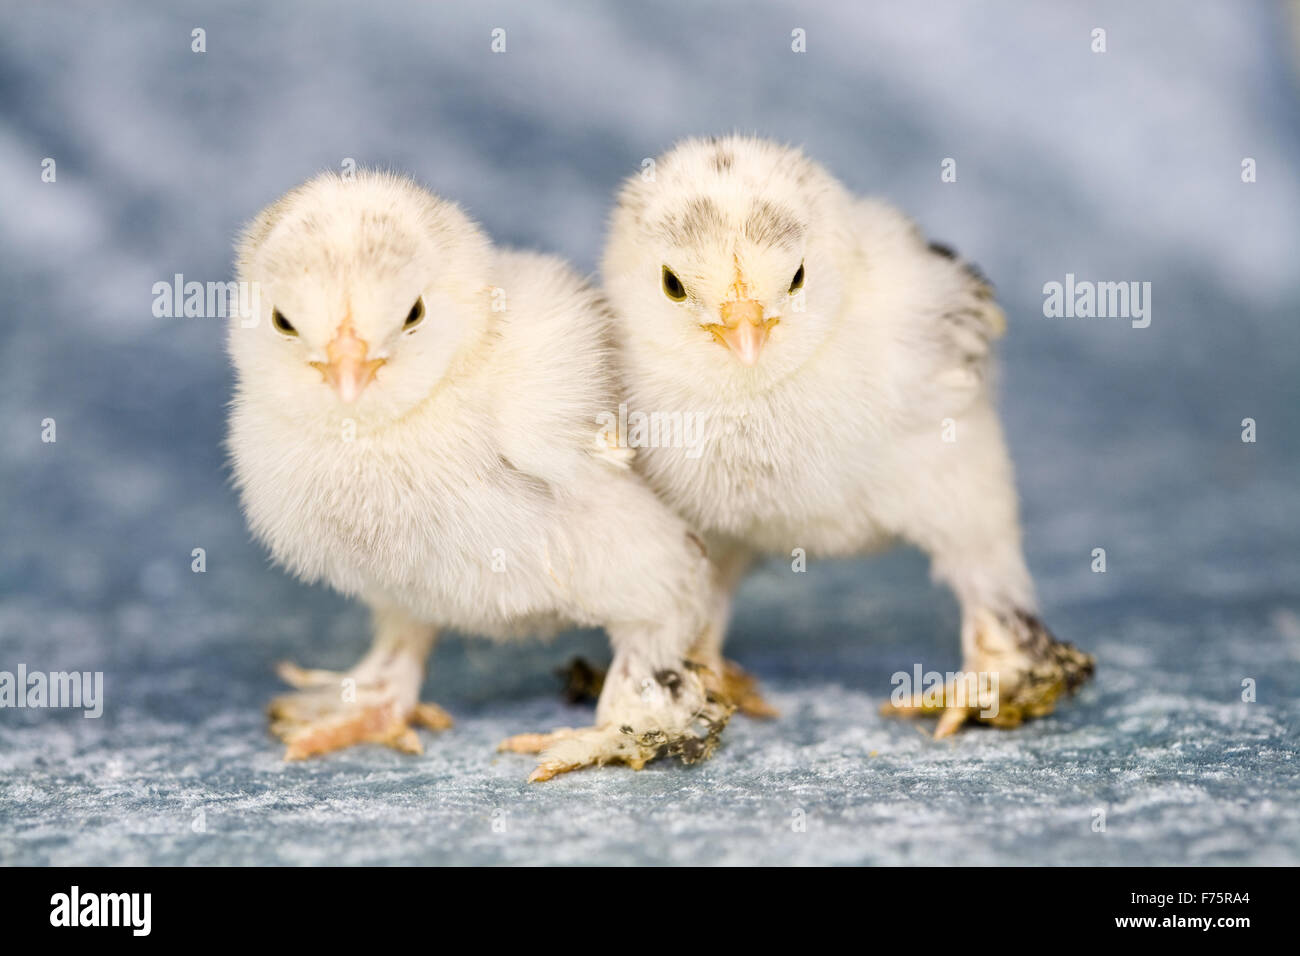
(544, 772)
(541, 775)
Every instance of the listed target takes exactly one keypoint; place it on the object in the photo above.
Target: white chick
(415, 424)
(842, 368)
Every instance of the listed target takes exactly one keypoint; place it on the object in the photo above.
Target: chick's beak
(348, 370)
(743, 329)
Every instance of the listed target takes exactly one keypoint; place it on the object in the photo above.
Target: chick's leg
(729, 562)
(377, 701)
(651, 591)
(964, 514)
(628, 563)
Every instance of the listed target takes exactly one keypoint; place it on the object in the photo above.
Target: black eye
(797, 282)
(282, 324)
(673, 287)
(415, 315)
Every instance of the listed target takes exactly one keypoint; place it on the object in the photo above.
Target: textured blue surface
(1122, 165)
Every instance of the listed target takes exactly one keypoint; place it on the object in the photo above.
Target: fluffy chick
(415, 423)
(841, 365)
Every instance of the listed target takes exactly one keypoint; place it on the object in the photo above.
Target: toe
(599, 748)
(302, 677)
(570, 750)
(546, 771)
(303, 707)
(757, 707)
(431, 717)
(377, 724)
(533, 743)
(741, 688)
(371, 724)
(950, 721)
(407, 742)
(914, 706)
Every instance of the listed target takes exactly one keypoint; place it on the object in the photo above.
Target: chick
(417, 422)
(842, 368)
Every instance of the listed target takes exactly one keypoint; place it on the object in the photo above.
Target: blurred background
(1123, 165)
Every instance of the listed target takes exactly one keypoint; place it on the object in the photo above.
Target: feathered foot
(672, 713)
(376, 702)
(1017, 671)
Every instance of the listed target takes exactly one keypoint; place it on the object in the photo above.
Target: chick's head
(365, 293)
(721, 262)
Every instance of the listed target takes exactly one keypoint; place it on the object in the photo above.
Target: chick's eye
(673, 287)
(282, 325)
(797, 282)
(416, 315)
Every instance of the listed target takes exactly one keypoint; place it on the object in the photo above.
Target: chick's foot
(375, 702)
(668, 713)
(1017, 670)
(583, 682)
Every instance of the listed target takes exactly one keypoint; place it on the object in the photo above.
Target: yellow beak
(348, 370)
(743, 329)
